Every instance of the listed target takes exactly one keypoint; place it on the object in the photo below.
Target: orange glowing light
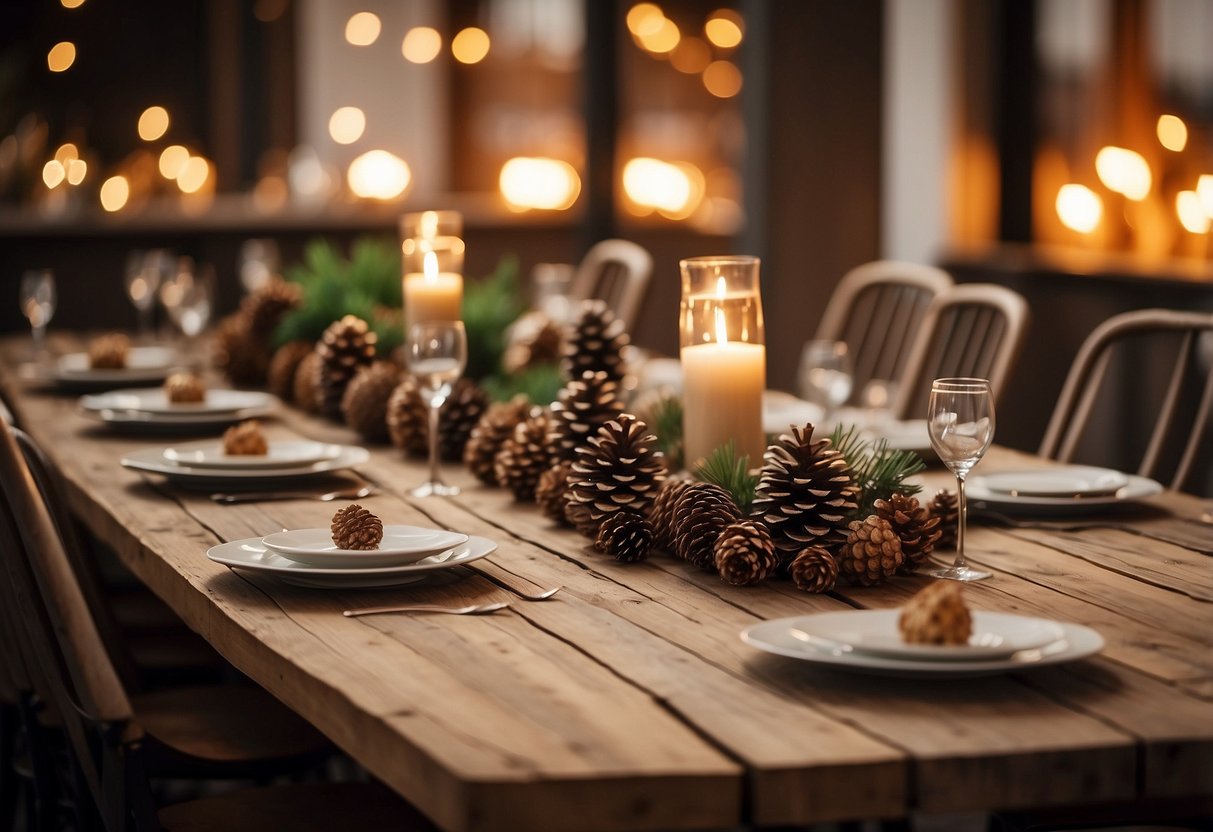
(71, 4)
(77, 169)
(193, 175)
(1172, 133)
(672, 189)
(545, 184)
(66, 152)
(470, 46)
(722, 79)
(362, 29)
(1124, 172)
(172, 160)
(115, 192)
(153, 123)
(1204, 189)
(421, 45)
(61, 56)
(691, 56)
(724, 28)
(347, 125)
(1079, 208)
(663, 40)
(644, 19)
(378, 174)
(1191, 212)
(53, 174)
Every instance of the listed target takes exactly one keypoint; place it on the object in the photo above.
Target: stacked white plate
(150, 409)
(144, 365)
(203, 464)
(1066, 489)
(868, 641)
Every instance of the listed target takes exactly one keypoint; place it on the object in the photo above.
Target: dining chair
(618, 272)
(876, 309)
(1172, 340)
(975, 330)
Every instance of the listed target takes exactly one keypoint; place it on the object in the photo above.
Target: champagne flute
(436, 353)
(825, 375)
(38, 300)
(144, 273)
(960, 415)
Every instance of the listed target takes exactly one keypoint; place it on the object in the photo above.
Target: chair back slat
(1166, 415)
(615, 271)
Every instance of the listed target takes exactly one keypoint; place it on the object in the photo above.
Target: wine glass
(960, 416)
(258, 262)
(145, 271)
(38, 299)
(436, 353)
(825, 375)
(188, 296)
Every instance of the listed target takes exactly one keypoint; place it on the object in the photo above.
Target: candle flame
(722, 330)
(429, 267)
(720, 287)
(429, 225)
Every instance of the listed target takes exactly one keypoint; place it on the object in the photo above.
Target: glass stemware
(188, 296)
(38, 300)
(825, 375)
(960, 416)
(436, 353)
(145, 271)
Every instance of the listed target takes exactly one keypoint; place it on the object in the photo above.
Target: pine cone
(109, 351)
(239, 355)
(524, 456)
(814, 570)
(408, 418)
(917, 529)
(626, 536)
(245, 439)
(281, 374)
(356, 528)
(944, 506)
(364, 405)
(183, 388)
(805, 493)
(549, 493)
(306, 396)
(543, 347)
(495, 426)
(583, 406)
(661, 513)
(619, 469)
(266, 307)
(745, 553)
(595, 343)
(937, 615)
(871, 553)
(346, 345)
(702, 511)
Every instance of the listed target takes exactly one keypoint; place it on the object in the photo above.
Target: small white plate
(251, 555)
(207, 453)
(1067, 481)
(143, 364)
(994, 635)
(400, 545)
(154, 401)
(1137, 488)
(151, 460)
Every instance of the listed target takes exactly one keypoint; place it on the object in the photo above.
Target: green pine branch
(724, 468)
(880, 471)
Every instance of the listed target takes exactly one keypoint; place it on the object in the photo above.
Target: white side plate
(208, 453)
(400, 545)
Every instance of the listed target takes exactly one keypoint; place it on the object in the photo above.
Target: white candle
(432, 295)
(722, 386)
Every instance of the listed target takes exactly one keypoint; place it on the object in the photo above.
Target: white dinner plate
(151, 460)
(981, 495)
(208, 453)
(778, 636)
(252, 555)
(155, 401)
(137, 421)
(994, 635)
(400, 545)
(1066, 481)
(143, 365)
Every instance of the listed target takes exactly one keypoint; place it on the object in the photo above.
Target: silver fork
(261, 496)
(474, 609)
(525, 596)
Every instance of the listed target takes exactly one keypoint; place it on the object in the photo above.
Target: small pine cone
(109, 351)
(937, 615)
(245, 439)
(661, 514)
(595, 343)
(281, 374)
(364, 405)
(549, 493)
(543, 347)
(814, 570)
(495, 426)
(914, 524)
(871, 552)
(619, 469)
(703, 510)
(304, 386)
(626, 536)
(944, 506)
(408, 418)
(744, 553)
(239, 355)
(266, 307)
(356, 528)
(346, 345)
(583, 406)
(459, 416)
(524, 456)
(183, 388)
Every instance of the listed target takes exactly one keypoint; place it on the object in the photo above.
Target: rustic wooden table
(628, 701)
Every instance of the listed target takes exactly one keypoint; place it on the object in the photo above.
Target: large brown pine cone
(364, 405)
(661, 513)
(626, 536)
(281, 374)
(346, 345)
(917, 529)
(814, 570)
(871, 552)
(267, 306)
(619, 469)
(744, 553)
(702, 511)
(524, 456)
(936, 615)
(306, 396)
(239, 355)
(944, 506)
(595, 343)
(495, 426)
(408, 418)
(549, 493)
(583, 406)
(354, 527)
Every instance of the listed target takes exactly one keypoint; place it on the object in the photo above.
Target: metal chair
(618, 272)
(876, 309)
(975, 330)
(1188, 395)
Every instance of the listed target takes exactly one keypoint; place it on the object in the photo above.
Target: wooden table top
(628, 700)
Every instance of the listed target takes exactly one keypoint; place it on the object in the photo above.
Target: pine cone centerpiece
(918, 530)
(495, 426)
(702, 511)
(595, 343)
(364, 405)
(524, 456)
(937, 615)
(346, 346)
(583, 406)
(408, 418)
(238, 353)
(619, 469)
(549, 492)
(626, 536)
(307, 375)
(280, 377)
(944, 506)
(814, 570)
(745, 553)
(354, 527)
(543, 347)
(806, 492)
(266, 307)
(871, 552)
(661, 514)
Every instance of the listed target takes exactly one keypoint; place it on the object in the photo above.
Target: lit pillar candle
(432, 295)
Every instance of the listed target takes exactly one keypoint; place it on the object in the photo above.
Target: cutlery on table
(260, 496)
(525, 596)
(474, 609)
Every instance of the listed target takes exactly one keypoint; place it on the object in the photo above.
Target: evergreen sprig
(724, 468)
(489, 307)
(880, 471)
(665, 420)
(540, 383)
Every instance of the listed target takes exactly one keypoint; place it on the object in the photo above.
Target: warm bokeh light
(61, 56)
(115, 191)
(722, 79)
(347, 125)
(1204, 189)
(663, 39)
(1079, 208)
(724, 28)
(421, 45)
(153, 123)
(172, 160)
(673, 189)
(66, 152)
(691, 56)
(644, 19)
(77, 169)
(53, 174)
(362, 29)
(193, 175)
(1172, 133)
(71, 4)
(1123, 171)
(1191, 212)
(378, 174)
(546, 184)
(470, 46)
